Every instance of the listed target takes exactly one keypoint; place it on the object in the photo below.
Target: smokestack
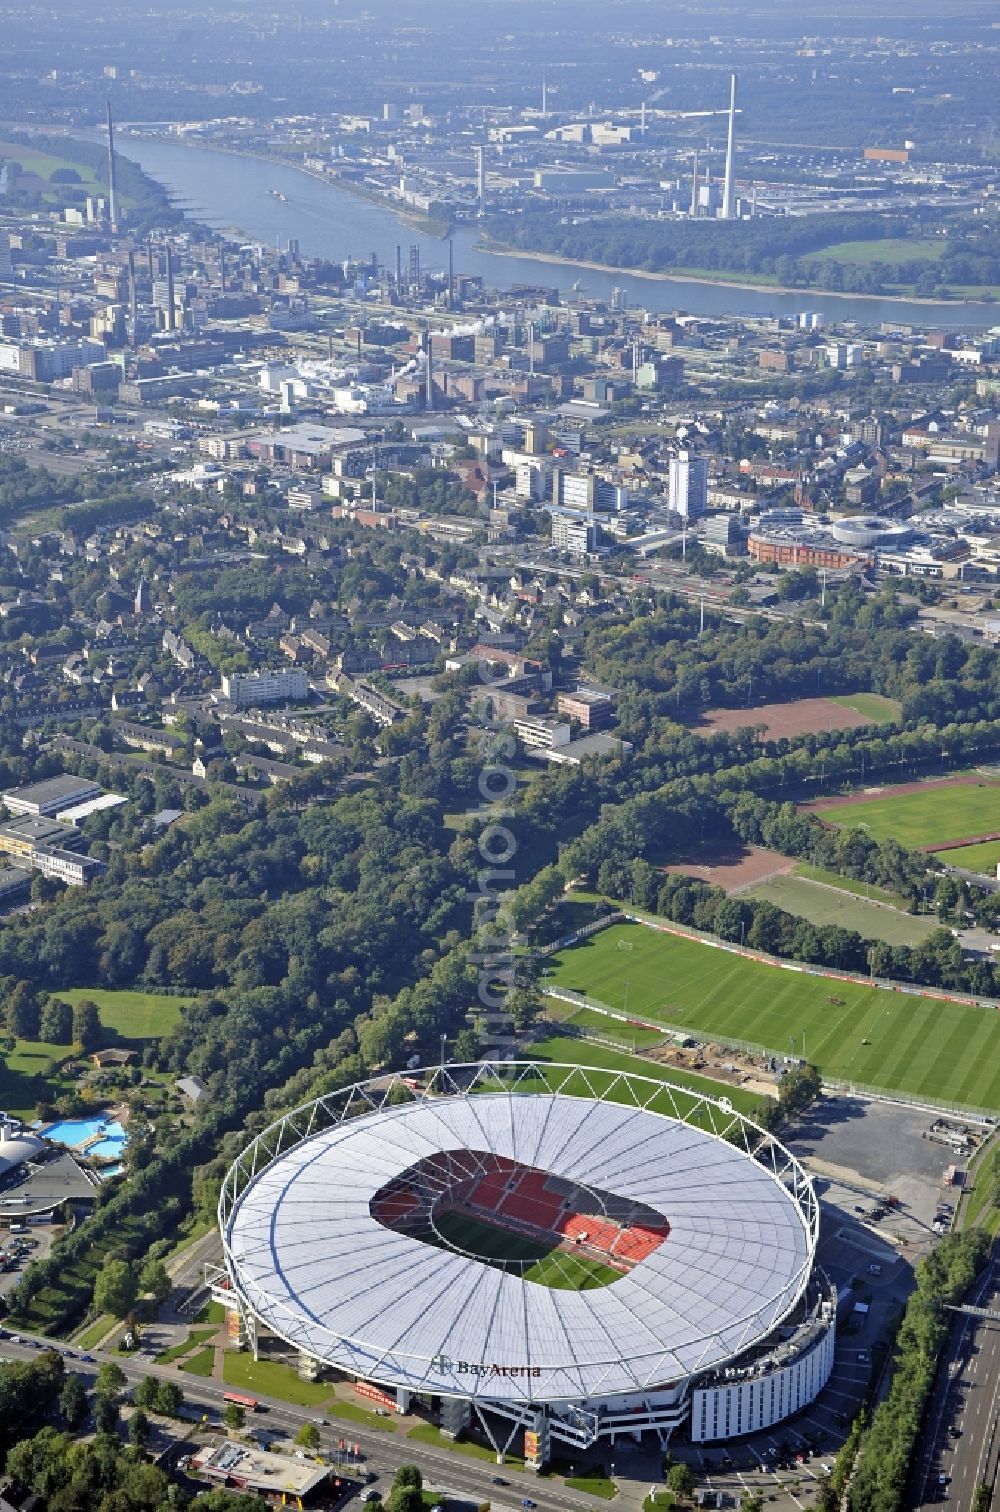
(451, 274)
(222, 268)
(694, 185)
(133, 297)
(545, 94)
(481, 179)
(429, 390)
(149, 261)
(171, 317)
(642, 119)
(112, 180)
(729, 187)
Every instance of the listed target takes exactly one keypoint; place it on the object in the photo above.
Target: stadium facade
(577, 1254)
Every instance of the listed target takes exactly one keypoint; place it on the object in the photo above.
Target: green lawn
(871, 706)
(195, 1337)
(822, 905)
(550, 1266)
(200, 1364)
(574, 1052)
(32, 160)
(981, 858)
(90, 1337)
(355, 1414)
(426, 1433)
(900, 1042)
(131, 1015)
(890, 250)
(594, 1483)
(848, 884)
(271, 1378)
(630, 1036)
(925, 818)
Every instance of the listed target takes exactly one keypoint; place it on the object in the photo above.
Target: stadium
(533, 1247)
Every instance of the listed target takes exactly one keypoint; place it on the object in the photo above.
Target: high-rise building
(6, 265)
(688, 483)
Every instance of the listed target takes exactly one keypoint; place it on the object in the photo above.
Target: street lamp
(444, 1041)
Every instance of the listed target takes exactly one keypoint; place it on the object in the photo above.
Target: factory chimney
(545, 94)
(729, 187)
(694, 185)
(429, 390)
(133, 299)
(222, 268)
(171, 315)
(481, 179)
(451, 274)
(112, 178)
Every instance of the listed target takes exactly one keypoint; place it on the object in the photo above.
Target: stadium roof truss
(308, 1259)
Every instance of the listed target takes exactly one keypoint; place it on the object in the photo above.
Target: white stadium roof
(312, 1263)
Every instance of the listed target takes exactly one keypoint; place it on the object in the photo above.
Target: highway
(962, 1439)
(453, 1474)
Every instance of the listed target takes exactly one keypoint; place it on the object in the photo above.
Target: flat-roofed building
(594, 711)
(52, 795)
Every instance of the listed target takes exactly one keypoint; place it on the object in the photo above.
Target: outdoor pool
(99, 1136)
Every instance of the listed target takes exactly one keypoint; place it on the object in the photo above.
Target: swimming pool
(101, 1137)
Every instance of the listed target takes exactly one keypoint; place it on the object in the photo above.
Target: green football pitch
(927, 817)
(871, 1035)
(535, 1259)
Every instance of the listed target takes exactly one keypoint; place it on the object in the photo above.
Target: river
(229, 191)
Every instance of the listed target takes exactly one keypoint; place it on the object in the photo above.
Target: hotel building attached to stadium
(578, 1255)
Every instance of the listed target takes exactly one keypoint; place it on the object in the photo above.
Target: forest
(789, 251)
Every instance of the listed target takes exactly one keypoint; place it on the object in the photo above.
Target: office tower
(688, 482)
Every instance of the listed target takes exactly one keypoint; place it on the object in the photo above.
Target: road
(962, 1441)
(450, 1473)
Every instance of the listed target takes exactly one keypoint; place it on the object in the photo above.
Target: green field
(825, 905)
(889, 250)
(981, 858)
(871, 706)
(628, 1036)
(848, 884)
(928, 818)
(271, 1378)
(202, 1363)
(534, 1259)
(601, 1058)
(45, 163)
(131, 1015)
(875, 1036)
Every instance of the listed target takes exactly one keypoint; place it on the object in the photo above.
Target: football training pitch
(535, 1259)
(924, 816)
(871, 1035)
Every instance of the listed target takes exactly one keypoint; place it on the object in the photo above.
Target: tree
(73, 1405)
(153, 1279)
(147, 1393)
(105, 1414)
(21, 1015)
(56, 1023)
(116, 1288)
(409, 1475)
(86, 1024)
(169, 1399)
(405, 1499)
(138, 1429)
(308, 1437)
(680, 1479)
(235, 1417)
(111, 1381)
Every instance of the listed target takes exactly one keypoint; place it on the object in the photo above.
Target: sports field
(925, 816)
(872, 1035)
(821, 904)
(536, 1260)
(873, 707)
(980, 858)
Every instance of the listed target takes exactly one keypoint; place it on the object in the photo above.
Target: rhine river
(231, 192)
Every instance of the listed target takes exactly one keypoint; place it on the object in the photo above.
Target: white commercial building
(248, 690)
(688, 483)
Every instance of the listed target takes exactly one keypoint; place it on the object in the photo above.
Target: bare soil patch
(734, 867)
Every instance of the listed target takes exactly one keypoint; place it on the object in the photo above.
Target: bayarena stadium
(527, 1248)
